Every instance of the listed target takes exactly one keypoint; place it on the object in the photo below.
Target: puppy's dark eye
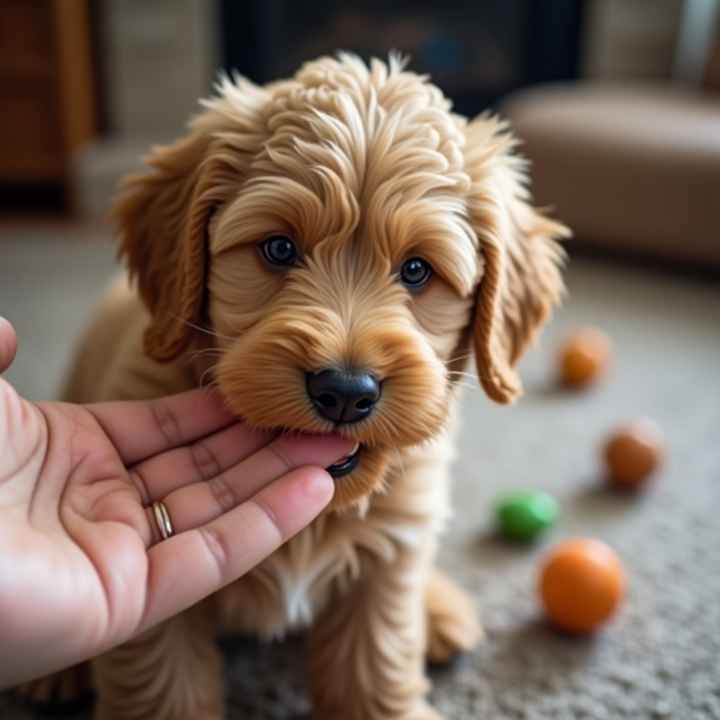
(279, 250)
(415, 273)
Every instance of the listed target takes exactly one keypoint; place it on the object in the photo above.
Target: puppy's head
(347, 240)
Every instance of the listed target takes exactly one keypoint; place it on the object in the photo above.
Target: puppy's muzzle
(343, 396)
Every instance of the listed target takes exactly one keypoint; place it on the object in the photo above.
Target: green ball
(524, 515)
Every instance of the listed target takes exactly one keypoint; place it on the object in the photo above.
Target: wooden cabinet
(47, 108)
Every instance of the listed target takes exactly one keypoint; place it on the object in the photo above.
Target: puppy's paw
(68, 688)
(453, 627)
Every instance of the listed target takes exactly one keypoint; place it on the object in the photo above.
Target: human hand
(82, 567)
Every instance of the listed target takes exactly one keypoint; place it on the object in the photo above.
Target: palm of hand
(73, 522)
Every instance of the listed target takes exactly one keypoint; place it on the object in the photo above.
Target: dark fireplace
(475, 51)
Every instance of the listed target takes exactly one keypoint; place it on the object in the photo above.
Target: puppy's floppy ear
(162, 214)
(161, 217)
(521, 259)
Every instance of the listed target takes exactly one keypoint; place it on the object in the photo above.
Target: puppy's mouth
(346, 465)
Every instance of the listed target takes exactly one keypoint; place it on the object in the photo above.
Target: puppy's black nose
(343, 396)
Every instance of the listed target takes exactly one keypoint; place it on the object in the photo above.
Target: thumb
(8, 344)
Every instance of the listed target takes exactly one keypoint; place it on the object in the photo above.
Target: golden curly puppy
(328, 250)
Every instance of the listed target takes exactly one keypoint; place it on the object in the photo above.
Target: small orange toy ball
(584, 357)
(633, 453)
(581, 584)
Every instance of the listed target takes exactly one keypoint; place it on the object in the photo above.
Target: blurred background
(88, 85)
(617, 104)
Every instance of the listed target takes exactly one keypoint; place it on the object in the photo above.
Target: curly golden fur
(364, 167)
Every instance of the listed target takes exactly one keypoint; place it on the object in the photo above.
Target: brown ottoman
(634, 168)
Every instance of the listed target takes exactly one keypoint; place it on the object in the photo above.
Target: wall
(160, 60)
(159, 57)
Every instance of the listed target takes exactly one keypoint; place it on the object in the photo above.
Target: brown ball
(584, 357)
(633, 453)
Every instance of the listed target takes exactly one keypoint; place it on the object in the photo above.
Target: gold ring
(162, 520)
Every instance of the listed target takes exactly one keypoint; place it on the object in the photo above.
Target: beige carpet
(661, 657)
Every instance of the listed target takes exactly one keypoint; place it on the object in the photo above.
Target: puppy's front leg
(171, 672)
(367, 648)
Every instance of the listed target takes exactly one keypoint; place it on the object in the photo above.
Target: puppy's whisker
(213, 380)
(195, 354)
(467, 386)
(208, 351)
(459, 358)
(205, 331)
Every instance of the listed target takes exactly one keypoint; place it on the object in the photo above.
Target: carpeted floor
(661, 657)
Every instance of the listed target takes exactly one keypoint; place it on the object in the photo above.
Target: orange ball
(581, 584)
(584, 357)
(633, 453)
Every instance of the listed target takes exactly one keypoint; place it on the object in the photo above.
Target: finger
(198, 504)
(190, 566)
(162, 474)
(141, 429)
(8, 344)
